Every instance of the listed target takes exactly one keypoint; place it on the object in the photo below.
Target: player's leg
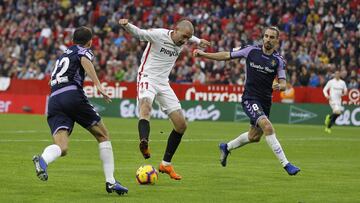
(85, 115)
(146, 91)
(107, 157)
(275, 146)
(176, 134)
(337, 109)
(333, 118)
(61, 126)
(170, 104)
(327, 120)
(145, 107)
(61, 141)
(173, 142)
(105, 150)
(51, 153)
(253, 135)
(258, 113)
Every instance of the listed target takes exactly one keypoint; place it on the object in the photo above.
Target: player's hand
(204, 43)
(276, 86)
(104, 94)
(198, 53)
(123, 22)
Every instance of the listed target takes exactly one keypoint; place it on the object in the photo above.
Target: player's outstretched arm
(143, 35)
(203, 43)
(90, 70)
(219, 56)
(345, 90)
(325, 90)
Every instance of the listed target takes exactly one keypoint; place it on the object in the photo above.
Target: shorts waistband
(64, 89)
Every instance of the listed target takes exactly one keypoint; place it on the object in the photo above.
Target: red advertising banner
(22, 103)
(223, 93)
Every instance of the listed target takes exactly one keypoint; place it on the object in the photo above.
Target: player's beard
(268, 46)
(179, 43)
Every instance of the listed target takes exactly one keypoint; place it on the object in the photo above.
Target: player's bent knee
(181, 127)
(255, 139)
(145, 112)
(268, 129)
(102, 136)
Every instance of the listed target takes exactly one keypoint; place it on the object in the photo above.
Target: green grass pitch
(330, 164)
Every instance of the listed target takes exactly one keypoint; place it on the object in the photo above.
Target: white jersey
(160, 53)
(337, 89)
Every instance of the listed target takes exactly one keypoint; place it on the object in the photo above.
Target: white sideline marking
(188, 140)
(21, 131)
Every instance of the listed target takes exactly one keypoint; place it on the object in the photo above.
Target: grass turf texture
(330, 164)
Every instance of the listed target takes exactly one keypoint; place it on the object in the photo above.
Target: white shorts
(336, 106)
(163, 94)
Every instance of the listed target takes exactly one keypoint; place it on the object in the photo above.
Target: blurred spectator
(353, 84)
(198, 76)
(288, 96)
(314, 80)
(318, 37)
(293, 80)
(304, 76)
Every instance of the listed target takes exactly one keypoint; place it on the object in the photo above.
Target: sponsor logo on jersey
(261, 68)
(169, 52)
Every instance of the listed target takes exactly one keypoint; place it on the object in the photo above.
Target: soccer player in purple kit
(68, 104)
(263, 64)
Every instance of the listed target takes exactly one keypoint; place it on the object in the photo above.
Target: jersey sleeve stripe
(142, 66)
(146, 57)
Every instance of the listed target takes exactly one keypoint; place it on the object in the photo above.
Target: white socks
(107, 157)
(242, 140)
(51, 153)
(165, 163)
(276, 148)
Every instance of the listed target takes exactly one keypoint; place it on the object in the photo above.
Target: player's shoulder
(331, 81)
(248, 46)
(82, 51)
(279, 57)
(159, 31)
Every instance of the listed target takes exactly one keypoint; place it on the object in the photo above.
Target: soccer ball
(146, 174)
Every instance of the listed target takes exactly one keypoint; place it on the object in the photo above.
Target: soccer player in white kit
(159, 57)
(337, 89)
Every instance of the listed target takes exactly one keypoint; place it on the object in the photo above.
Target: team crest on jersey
(273, 62)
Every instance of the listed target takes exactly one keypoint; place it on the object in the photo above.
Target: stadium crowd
(318, 36)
